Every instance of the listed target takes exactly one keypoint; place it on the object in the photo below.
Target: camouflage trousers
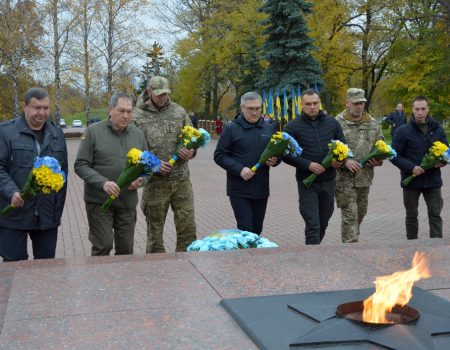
(158, 196)
(353, 203)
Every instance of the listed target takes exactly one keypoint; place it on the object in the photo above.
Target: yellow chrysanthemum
(190, 132)
(46, 180)
(277, 137)
(382, 146)
(438, 148)
(340, 151)
(134, 156)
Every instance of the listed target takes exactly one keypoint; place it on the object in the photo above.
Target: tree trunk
(109, 58)
(56, 57)
(365, 52)
(15, 80)
(86, 72)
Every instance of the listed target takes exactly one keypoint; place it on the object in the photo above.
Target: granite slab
(271, 272)
(185, 327)
(95, 288)
(171, 301)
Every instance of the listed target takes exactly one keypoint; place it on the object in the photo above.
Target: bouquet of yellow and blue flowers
(138, 163)
(438, 152)
(381, 150)
(337, 151)
(281, 143)
(45, 177)
(190, 138)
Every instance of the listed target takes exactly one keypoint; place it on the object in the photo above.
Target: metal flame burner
(353, 311)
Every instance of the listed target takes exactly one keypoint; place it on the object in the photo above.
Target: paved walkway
(384, 222)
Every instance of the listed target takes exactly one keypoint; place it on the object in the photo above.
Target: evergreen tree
(153, 66)
(288, 46)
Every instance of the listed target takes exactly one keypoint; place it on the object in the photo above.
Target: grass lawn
(99, 113)
(388, 139)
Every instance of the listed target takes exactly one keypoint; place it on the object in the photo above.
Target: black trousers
(13, 243)
(434, 202)
(249, 213)
(316, 207)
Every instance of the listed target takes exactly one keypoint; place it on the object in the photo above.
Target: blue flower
(205, 136)
(150, 161)
(293, 149)
(394, 153)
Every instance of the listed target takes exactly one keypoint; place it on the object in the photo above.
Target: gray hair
(115, 98)
(250, 96)
(37, 93)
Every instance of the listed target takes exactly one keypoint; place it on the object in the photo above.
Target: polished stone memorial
(172, 301)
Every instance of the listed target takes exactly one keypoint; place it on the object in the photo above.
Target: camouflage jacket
(161, 128)
(361, 137)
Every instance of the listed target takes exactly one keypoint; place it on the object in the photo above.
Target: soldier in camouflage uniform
(352, 182)
(161, 120)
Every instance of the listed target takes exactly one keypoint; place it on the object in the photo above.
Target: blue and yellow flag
(278, 105)
(264, 103)
(285, 106)
(294, 108)
(317, 90)
(299, 99)
(270, 105)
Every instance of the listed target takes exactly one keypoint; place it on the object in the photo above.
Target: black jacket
(239, 146)
(17, 153)
(411, 145)
(314, 138)
(396, 119)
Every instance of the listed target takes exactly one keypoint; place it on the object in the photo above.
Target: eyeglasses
(253, 109)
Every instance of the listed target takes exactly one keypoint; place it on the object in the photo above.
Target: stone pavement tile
(170, 327)
(281, 271)
(384, 222)
(96, 288)
(5, 285)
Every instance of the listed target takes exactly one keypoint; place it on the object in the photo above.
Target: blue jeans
(13, 243)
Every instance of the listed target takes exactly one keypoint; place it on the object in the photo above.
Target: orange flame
(395, 289)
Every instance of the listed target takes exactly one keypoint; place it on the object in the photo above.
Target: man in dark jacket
(314, 130)
(21, 140)
(239, 148)
(101, 156)
(396, 118)
(412, 141)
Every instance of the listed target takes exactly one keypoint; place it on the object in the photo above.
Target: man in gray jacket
(101, 157)
(21, 140)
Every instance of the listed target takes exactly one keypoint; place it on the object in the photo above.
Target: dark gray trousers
(316, 207)
(434, 202)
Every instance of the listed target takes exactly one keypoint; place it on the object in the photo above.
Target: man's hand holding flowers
(281, 143)
(188, 141)
(139, 164)
(438, 155)
(45, 177)
(352, 165)
(247, 173)
(186, 154)
(338, 153)
(17, 200)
